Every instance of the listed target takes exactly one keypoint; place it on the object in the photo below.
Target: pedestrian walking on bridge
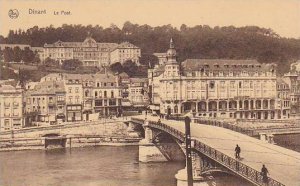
(264, 173)
(237, 152)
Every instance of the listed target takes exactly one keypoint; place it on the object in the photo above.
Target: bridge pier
(269, 138)
(181, 177)
(130, 130)
(148, 152)
(158, 146)
(198, 164)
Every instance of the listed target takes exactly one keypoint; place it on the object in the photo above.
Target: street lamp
(188, 151)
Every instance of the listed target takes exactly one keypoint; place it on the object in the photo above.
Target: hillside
(201, 41)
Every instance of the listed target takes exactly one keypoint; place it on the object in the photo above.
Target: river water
(93, 166)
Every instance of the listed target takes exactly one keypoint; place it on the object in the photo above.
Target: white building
(92, 53)
(215, 88)
(125, 51)
(11, 108)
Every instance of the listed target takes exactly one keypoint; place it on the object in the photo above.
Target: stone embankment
(80, 134)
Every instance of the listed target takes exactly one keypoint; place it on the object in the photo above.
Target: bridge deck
(283, 164)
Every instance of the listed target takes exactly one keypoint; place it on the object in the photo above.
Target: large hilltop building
(216, 88)
(92, 53)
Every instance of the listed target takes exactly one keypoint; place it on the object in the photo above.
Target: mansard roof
(224, 64)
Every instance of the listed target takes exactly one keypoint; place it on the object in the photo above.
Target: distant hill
(202, 41)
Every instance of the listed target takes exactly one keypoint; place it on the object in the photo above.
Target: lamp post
(188, 151)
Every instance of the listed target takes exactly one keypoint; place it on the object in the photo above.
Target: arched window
(176, 109)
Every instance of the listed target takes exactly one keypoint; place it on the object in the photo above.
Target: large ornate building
(215, 88)
(92, 53)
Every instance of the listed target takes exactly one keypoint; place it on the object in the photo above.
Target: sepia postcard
(149, 92)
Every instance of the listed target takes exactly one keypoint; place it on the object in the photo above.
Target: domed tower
(171, 53)
(172, 66)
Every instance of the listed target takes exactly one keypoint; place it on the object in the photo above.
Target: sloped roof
(279, 80)
(92, 77)
(48, 87)
(88, 42)
(7, 88)
(125, 45)
(159, 70)
(123, 75)
(223, 64)
(138, 80)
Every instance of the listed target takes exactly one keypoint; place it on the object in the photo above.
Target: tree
(149, 60)
(28, 55)
(130, 67)
(17, 54)
(8, 54)
(200, 41)
(71, 64)
(116, 67)
(51, 62)
(36, 59)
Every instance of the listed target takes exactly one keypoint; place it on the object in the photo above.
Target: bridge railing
(232, 164)
(226, 125)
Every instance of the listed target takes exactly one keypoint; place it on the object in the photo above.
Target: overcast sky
(283, 16)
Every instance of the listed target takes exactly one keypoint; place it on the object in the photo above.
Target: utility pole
(188, 151)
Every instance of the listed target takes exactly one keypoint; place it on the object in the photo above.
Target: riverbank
(71, 142)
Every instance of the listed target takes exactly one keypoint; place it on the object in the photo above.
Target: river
(94, 166)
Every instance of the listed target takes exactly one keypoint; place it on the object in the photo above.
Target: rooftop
(9, 89)
(221, 64)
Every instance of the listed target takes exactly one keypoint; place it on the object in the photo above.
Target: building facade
(45, 103)
(293, 80)
(125, 51)
(102, 94)
(11, 108)
(138, 92)
(92, 53)
(215, 88)
(74, 96)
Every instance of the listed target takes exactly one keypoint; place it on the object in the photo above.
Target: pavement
(283, 164)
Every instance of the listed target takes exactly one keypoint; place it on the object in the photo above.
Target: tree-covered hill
(200, 41)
